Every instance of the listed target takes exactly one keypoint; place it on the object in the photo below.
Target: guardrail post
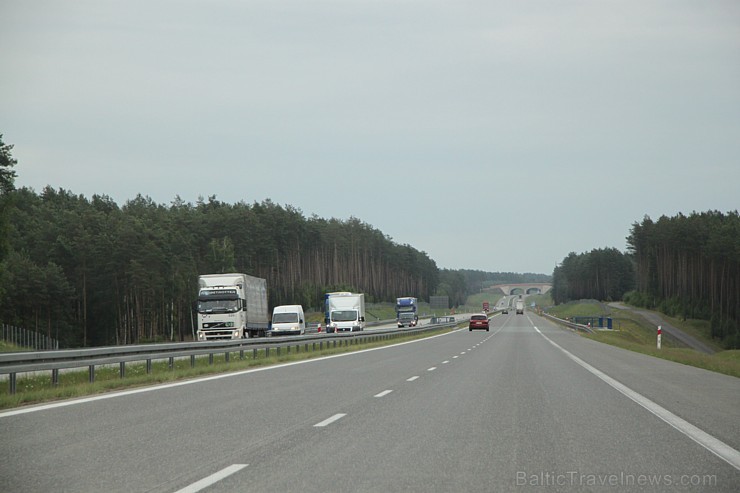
(12, 383)
(172, 363)
(306, 348)
(241, 354)
(91, 373)
(227, 356)
(254, 353)
(55, 377)
(267, 352)
(321, 346)
(123, 369)
(148, 367)
(210, 358)
(192, 361)
(278, 351)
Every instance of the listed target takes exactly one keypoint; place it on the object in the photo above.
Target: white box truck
(520, 307)
(231, 306)
(346, 312)
(288, 320)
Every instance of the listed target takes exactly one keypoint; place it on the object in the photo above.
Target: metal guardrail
(567, 323)
(24, 362)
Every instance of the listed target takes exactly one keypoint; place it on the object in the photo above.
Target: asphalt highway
(527, 406)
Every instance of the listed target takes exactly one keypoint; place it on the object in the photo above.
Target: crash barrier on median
(567, 323)
(12, 364)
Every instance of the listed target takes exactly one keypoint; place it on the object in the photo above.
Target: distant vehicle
(478, 322)
(407, 319)
(288, 320)
(404, 307)
(231, 306)
(520, 307)
(505, 310)
(346, 312)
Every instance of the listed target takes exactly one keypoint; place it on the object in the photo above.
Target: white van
(288, 320)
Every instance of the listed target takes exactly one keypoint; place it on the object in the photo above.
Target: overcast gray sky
(493, 135)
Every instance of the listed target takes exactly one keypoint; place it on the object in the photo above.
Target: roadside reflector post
(660, 333)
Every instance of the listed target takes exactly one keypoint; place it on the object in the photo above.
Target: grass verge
(634, 333)
(35, 389)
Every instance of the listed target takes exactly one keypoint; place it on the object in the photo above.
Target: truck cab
(407, 319)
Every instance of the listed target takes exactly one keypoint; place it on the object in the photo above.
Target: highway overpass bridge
(524, 288)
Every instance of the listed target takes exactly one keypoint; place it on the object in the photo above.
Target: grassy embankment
(474, 303)
(38, 388)
(633, 332)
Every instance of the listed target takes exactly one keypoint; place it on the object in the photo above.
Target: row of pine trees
(684, 266)
(689, 266)
(89, 272)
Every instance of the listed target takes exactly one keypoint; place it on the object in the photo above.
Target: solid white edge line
(44, 407)
(383, 394)
(329, 421)
(212, 479)
(712, 444)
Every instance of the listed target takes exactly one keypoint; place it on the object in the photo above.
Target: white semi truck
(345, 312)
(231, 306)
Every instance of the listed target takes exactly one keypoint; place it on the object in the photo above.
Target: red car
(478, 322)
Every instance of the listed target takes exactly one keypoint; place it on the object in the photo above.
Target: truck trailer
(345, 312)
(231, 306)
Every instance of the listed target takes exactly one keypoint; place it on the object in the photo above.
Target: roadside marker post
(660, 333)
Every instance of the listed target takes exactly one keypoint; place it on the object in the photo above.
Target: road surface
(527, 406)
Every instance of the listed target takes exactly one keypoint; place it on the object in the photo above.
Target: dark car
(505, 310)
(478, 322)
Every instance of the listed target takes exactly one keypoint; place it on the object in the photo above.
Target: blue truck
(407, 312)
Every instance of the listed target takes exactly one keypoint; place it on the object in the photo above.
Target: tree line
(683, 266)
(603, 274)
(90, 272)
(689, 266)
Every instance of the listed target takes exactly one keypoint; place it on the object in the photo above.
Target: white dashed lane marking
(212, 479)
(329, 421)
